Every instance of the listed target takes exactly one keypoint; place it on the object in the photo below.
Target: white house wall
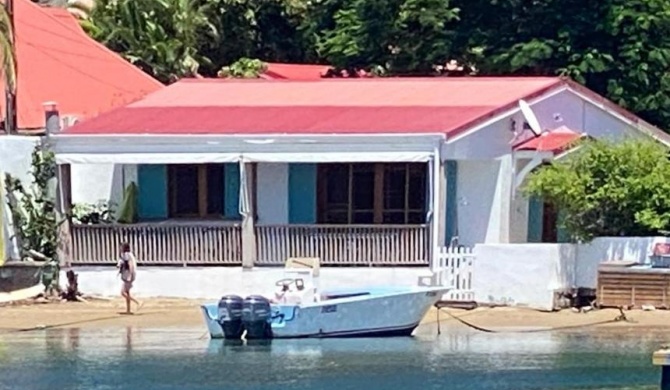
(129, 174)
(581, 115)
(478, 209)
(518, 226)
(531, 274)
(483, 215)
(214, 282)
(523, 274)
(15, 156)
(486, 211)
(487, 143)
(272, 193)
(94, 183)
(15, 159)
(603, 249)
(600, 123)
(561, 109)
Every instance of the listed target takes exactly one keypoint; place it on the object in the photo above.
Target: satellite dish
(530, 117)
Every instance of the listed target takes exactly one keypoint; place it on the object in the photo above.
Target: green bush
(608, 189)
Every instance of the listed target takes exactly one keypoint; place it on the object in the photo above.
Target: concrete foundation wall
(213, 282)
(531, 274)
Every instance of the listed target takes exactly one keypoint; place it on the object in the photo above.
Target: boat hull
(378, 313)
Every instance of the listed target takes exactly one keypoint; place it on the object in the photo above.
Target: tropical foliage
(609, 189)
(162, 37)
(7, 58)
(244, 68)
(33, 208)
(93, 213)
(397, 36)
(619, 48)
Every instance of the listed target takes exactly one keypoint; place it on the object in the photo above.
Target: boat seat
(307, 295)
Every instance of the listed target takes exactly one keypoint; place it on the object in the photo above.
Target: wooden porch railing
(159, 243)
(344, 244)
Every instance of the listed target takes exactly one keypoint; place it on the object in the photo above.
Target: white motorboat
(298, 310)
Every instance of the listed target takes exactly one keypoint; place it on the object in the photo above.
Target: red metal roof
(276, 71)
(329, 106)
(58, 62)
(555, 141)
(64, 16)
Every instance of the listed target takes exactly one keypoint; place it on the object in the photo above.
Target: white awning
(146, 158)
(225, 149)
(333, 157)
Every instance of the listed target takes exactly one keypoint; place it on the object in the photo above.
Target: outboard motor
(230, 316)
(256, 314)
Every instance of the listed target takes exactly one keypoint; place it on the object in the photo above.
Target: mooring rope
(80, 322)
(620, 318)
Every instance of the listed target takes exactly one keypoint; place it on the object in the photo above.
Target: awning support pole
(247, 211)
(436, 199)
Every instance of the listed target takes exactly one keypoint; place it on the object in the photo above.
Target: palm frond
(7, 52)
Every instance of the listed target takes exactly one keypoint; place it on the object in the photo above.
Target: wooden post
(662, 358)
(248, 229)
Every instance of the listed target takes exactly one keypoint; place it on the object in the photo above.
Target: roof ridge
(370, 79)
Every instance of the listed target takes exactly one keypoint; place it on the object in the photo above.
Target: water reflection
(181, 358)
(129, 340)
(60, 341)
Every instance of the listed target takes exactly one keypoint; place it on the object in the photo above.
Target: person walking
(128, 270)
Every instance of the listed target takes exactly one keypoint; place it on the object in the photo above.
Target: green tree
(403, 37)
(639, 79)
(33, 208)
(263, 29)
(170, 39)
(163, 37)
(609, 189)
(618, 48)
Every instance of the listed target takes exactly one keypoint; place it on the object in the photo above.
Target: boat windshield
(295, 289)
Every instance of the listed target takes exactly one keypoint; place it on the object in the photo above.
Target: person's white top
(128, 274)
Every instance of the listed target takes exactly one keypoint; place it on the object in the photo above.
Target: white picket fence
(452, 267)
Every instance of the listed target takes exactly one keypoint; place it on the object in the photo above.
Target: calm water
(181, 359)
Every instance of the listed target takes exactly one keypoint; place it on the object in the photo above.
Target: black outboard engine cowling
(256, 314)
(230, 316)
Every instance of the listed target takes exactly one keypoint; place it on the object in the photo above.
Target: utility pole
(10, 96)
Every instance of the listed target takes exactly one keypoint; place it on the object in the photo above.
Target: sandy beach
(165, 313)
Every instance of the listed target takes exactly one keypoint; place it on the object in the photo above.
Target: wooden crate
(633, 287)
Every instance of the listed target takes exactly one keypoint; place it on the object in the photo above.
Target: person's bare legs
(131, 299)
(128, 304)
(126, 295)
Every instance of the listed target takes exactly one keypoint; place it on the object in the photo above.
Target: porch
(210, 243)
(347, 208)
